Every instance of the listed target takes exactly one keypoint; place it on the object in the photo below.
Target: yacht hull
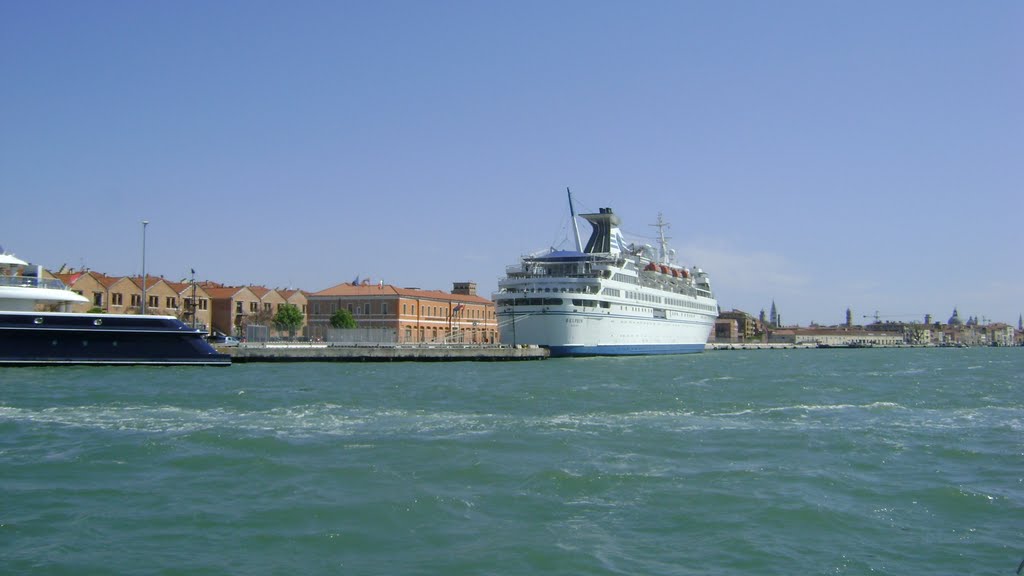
(48, 338)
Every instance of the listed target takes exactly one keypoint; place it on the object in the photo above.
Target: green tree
(288, 318)
(342, 319)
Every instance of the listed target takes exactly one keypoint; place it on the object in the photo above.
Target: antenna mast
(662, 239)
(575, 226)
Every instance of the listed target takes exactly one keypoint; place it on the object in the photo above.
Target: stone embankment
(756, 346)
(380, 353)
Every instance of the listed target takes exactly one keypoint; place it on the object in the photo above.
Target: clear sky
(823, 155)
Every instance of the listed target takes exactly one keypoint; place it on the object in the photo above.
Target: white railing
(31, 282)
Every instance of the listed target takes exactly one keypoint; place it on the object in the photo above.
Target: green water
(768, 462)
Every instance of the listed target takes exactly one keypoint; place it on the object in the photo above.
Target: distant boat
(32, 337)
(607, 298)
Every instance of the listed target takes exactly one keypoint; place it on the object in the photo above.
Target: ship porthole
(38, 320)
(97, 321)
(85, 343)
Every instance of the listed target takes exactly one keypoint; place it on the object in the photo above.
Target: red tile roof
(348, 289)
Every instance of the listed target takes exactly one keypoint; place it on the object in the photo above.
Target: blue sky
(818, 154)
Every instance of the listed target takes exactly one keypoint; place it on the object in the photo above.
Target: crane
(878, 317)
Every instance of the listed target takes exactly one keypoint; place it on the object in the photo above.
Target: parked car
(222, 340)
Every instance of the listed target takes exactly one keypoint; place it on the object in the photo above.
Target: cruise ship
(37, 327)
(607, 298)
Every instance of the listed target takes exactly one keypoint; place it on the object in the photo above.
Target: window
(204, 304)
(172, 302)
(384, 308)
(153, 301)
(267, 306)
(97, 298)
(254, 306)
(136, 300)
(238, 307)
(117, 299)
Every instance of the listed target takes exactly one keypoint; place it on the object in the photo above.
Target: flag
(457, 308)
(356, 281)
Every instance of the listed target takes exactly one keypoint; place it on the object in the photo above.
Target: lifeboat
(664, 269)
(652, 267)
(675, 273)
(686, 273)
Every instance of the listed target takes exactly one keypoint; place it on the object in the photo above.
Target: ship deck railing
(520, 275)
(31, 282)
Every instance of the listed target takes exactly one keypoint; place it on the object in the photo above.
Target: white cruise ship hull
(572, 333)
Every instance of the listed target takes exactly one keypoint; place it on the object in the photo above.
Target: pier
(319, 352)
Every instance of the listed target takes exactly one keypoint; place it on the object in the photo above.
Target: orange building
(414, 315)
(233, 308)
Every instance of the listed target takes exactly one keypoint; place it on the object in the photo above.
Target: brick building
(414, 315)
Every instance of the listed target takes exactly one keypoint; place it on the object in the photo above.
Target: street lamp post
(194, 303)
(144, 224)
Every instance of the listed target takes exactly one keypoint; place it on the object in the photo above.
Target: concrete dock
(382, 353)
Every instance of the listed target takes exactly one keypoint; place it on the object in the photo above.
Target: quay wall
(802, 346)
(326, 353)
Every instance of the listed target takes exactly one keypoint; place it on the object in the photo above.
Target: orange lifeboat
(652, 267)
(675, 273)
(664, 269)
(686, 273)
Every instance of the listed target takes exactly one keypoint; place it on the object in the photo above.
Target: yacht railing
(31, 282)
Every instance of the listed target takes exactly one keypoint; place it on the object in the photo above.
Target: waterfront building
(195, 304)
(271, 300)
(410, 314)
(298, 299)
(747, 328)
(233, 308)
(93, 285)
(837, 337)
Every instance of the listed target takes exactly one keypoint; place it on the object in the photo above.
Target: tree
(342, 319)
(288, 318)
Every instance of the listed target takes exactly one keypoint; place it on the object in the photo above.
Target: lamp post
(194, 303)
(144, 224)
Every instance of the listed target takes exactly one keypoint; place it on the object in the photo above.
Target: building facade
(414, 315)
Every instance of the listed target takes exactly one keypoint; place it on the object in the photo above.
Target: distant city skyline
(821, 155)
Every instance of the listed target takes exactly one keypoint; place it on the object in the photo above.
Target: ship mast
(575, 226)
(662, 239)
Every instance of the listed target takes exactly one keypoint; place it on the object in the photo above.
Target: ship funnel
(605, 238)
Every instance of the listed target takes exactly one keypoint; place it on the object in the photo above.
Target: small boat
(37, 327)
